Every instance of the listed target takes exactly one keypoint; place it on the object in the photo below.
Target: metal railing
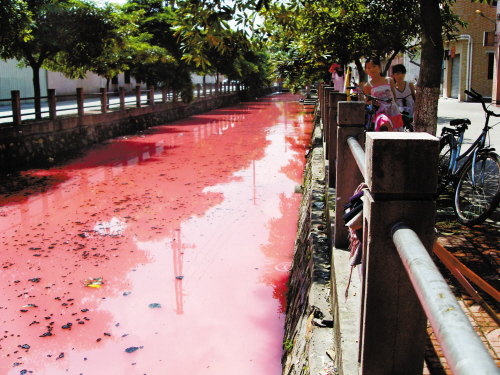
(388, 301)
(464, 351)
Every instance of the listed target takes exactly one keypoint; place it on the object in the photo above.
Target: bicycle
(372, 108)
(476, 182)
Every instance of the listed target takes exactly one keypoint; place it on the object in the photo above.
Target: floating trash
(96, 282)
(133, 349)
(155, 305)
(179, 277)
(35, 280)
(30, 305)
(126, 293)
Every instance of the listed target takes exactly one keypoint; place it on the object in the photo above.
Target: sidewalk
(478, 249)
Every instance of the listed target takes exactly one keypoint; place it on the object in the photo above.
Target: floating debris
(85, 310)
(107, 334)
(179, 277)
(155, 305)
(24, 346)
(60, 356)
(126, 293)
(96, 282)
(46, 334)
(133, 349)
(30, 305)
(35, 280)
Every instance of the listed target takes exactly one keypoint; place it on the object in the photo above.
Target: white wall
(14, 78)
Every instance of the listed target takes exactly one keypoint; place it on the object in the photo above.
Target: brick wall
(477, 25)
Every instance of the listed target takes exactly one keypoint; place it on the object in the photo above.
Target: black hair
(398, 68)
(374, 60)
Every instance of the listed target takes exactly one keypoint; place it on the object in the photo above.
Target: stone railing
(400, 286)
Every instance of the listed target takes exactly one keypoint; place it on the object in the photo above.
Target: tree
(168, 68)
(81, 30)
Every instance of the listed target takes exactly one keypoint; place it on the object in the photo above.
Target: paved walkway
(475, 247)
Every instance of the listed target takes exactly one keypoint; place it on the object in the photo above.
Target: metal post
(16, 106)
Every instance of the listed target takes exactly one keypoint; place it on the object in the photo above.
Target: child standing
(388, 115)
(405, 91)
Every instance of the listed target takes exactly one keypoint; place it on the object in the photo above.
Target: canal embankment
(41, 142)
(321, 332)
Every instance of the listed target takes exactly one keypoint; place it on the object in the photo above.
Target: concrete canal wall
(308, 343)
(38, 142)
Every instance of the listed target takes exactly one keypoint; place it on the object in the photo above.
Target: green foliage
(307, 37)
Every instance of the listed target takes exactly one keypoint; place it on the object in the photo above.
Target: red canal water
(191, 227)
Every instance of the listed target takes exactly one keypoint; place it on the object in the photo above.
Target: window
(491, 64)
(488, 39)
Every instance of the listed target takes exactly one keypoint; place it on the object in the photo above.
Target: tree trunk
(426, 104)
(361, 71)
(36, 91)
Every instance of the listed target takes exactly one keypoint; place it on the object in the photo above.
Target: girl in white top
(388, 115)
(405, 91)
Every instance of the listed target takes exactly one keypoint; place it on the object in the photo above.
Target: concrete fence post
(80, 101)
(326, 119)
(151, 95)
(16, 106)
(204, 89)
(350, 119)
(324, 111)
(104, 100)
(51, 97)
(334, 99)
(121, 94)
(401, 174)
(138, 96)
(164, 94)
(198, 87)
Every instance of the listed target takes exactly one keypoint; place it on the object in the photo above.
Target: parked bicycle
(474, 175)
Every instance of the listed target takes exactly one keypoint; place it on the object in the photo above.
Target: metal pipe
(358, 153)
(463, 349)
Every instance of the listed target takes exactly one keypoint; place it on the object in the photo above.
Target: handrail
(17, 112)
(463, 349)
(358, 153)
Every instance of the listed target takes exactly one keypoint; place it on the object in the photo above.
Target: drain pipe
(469, 61)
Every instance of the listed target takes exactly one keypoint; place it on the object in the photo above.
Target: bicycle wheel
(478, 189)
(447, 143)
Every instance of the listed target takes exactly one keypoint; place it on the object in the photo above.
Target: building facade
(469, 60)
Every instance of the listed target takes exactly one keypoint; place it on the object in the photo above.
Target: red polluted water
(163, 252)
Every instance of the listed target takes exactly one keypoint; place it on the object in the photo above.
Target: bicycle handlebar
(359, 91)
(477, 96)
